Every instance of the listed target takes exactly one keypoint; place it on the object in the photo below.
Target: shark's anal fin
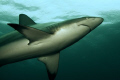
(51, 62)
(30, 33)
(24, 20)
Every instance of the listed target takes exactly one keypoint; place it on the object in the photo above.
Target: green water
(95, 57)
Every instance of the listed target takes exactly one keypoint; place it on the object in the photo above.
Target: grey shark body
(31, 40)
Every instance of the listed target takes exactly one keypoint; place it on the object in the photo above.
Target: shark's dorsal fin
(30, 33)
(52, 63)
(24, 20)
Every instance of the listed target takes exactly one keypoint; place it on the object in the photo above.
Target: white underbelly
(20, 50)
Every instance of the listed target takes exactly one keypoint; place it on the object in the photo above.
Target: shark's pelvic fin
(51, 62)
(31, 34)
(24, 20)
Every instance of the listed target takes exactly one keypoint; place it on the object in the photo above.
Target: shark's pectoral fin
(30, 33)
(24, 20)
(51, 62)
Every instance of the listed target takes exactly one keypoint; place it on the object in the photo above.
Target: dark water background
(95, 57)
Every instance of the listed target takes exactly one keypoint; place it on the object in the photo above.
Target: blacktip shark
(44, 43)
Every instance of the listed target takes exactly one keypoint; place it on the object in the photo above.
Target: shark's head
(91, 22)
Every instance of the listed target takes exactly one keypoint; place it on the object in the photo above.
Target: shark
(32, 40)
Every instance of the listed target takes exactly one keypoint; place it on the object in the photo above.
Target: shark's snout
(95, 21)
(91, 22)
(99, 19)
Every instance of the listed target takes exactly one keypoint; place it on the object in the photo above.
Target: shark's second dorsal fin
(52, 63)
(30, 33)
(24, 20)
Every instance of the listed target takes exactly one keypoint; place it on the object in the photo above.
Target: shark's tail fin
(24, 20)
(51, 62)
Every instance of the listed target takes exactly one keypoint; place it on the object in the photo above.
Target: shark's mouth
(87, 26)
